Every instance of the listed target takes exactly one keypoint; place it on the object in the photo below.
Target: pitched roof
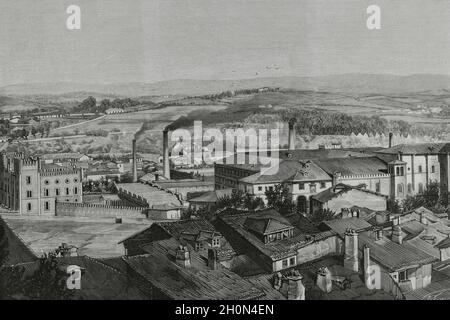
(265, 226)
(340, 226)
(443, 244)
(177, 282)
(338, 190)
(353, 166)
(289, 170)
(155, 197)
(212, 196)
(392, 255)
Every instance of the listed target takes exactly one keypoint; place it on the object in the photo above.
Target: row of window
(288, 262)
(28, 180)
(46, 205)
(420, 169)
(57, 192)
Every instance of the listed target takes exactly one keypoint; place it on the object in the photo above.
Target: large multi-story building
(396, 172)
(29, 186)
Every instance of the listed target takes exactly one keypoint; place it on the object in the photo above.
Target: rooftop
(353, 166)
(212, 196)
(338, 190)
(154, 196)
(289, 170)
(93, 237)
(176, 282)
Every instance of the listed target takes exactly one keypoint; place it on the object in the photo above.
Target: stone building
(30, 186)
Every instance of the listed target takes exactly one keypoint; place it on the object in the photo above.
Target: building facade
(29, 186)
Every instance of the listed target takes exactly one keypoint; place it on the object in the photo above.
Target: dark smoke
(180, 123)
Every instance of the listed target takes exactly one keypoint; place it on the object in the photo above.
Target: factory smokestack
(134, 160)
(292, 122)
(390, 139)
(166, 164)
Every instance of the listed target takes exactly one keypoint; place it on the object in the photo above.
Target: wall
(356, 198)
(327, 246)
(97, 210)
(370, 181)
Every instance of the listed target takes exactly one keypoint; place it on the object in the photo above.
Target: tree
(279, 199)
(48, 282)
(88, 104)
(322, 215)
(4, 251)
(429, 198)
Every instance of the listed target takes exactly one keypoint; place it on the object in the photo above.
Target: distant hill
(348, 83)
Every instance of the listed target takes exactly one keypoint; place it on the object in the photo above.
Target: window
(29, 193)
(28, 179)
(420, 169)
(47, 206)
(402, 171)
(285, 263)
(322, 185)
(409, 188)
(75, 180)
(216, 242)
(312, 188)
(301, 186)
(57, 191)
(67, 191)
(56, 181)
(400, 189)
(198, 246)
(433, 169)
(397, 171)
(420, 188)
(292, 261)
(377, 187)
(46, 193)
(29, 206)
(402, 275)
(75, 190)
(259, 188)
(67, 180)
(46, 182)
(270, 188)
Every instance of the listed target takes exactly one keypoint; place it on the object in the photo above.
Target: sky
(155, 40)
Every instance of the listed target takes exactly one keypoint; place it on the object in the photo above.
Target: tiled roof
(444, 244)
(353, 166)
(212, 196)
(341, 225)
(392, 255)
(289, 170)
(155, 197)
(178, 282)
(265, 226)
(338, 190)
(182, 183)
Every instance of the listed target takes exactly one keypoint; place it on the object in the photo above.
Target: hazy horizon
(145, 41)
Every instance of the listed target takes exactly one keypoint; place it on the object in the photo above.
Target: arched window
(409, 188)
(420, 187)
(400, 189)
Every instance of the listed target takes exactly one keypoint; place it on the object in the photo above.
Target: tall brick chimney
(390, 139)
(351, 250)
(292, 122)
(166, 163)
(133, 147)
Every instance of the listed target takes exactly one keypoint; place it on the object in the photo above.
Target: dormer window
(216, 242)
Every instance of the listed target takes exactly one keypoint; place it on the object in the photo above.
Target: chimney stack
(166, 163)
(423, 219)
(323, 280)
(351, 250)
(134, 160)
(212, 259)
(183, 256)
(295, 288)
(391, 135)
(397, 234)
(292, 122)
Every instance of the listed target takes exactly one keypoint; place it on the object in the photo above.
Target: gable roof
(353, 166)
(340, 226)
(265, 226)
(338, 190)
(289, 170)
(421, 148)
